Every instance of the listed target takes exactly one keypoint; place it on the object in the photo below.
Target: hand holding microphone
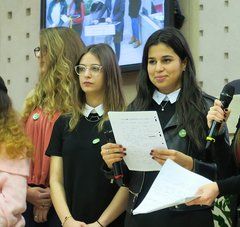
(218, 113)
(113, 154)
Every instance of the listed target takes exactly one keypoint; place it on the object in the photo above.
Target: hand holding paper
(139, 132)
(108, 20)
(174, 185)
(208, 193)
(161, 155)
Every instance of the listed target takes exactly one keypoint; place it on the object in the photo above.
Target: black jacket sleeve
(229, 186)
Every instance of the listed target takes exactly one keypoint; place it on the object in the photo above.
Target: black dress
(88, 192)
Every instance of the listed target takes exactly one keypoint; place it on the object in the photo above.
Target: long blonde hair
(58, 89)
(12, 135)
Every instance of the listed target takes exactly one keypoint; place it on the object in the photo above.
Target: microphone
(225, 97)
(117, 166)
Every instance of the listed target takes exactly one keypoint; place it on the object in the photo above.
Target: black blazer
(214, 163)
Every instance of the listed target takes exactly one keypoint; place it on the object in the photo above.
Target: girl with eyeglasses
(80, 192)
(56, 93)
(15, 152)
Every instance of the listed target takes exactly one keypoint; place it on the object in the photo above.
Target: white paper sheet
(65, 18)
(139, 132)
(174, 185)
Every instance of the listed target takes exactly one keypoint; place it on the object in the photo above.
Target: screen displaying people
(123, 24)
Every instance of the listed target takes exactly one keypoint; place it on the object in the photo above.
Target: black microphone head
(236, 85)
(227, 95)
(108, 132)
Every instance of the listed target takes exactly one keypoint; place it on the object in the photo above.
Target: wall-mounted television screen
(123, 24)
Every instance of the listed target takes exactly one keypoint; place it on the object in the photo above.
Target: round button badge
(182, 133)
(35, 116)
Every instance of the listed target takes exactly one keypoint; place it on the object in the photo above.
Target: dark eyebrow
(167, 56)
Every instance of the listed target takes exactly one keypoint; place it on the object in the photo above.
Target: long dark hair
(113, 96)
(190, 107)
(5, 102)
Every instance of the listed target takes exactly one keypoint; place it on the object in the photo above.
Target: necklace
(163, 106)
(93, 117)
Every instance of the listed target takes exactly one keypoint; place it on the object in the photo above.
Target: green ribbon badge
(95, 141)
(182, 133)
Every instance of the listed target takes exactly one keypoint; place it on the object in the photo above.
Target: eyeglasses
(93, 69)
(38, 51)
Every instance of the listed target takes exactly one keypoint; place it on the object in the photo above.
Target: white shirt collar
(158, 97)
(89, 109)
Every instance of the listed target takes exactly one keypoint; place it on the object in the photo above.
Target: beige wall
(211, 28)
(18, 37)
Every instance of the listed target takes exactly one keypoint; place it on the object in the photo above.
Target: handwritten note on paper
(174, 185)
(139, 132)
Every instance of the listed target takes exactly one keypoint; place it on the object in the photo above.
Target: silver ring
(35, 216)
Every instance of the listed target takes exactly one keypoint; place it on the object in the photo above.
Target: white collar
(158, 97)
(89, 109)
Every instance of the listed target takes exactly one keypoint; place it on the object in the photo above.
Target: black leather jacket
(206, 162)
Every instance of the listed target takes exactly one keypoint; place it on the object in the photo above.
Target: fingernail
(226, 109)
(124, 154)
(153, 158)
(151, 152)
